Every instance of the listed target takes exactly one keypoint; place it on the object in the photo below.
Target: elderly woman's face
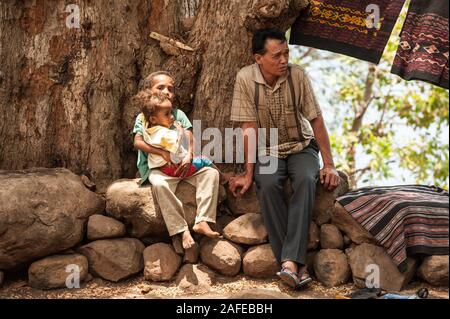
(163, 84)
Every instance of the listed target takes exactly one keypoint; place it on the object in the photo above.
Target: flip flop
(304, 282)
(293, 279)
(288, 277)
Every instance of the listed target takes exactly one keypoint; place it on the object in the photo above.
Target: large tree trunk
(65, 92)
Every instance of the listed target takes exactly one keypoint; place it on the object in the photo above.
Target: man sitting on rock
(274, 94)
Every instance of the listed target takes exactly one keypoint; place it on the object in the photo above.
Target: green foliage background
(380, 119)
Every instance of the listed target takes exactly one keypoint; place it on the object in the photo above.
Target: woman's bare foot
(188, 241)
(204, 229)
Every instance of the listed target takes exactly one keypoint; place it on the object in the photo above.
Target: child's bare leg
(204, 229)
(187, 239)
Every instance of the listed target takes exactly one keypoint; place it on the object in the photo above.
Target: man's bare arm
(321, 135)
(328, 175)
(244, 181)
(250, 145)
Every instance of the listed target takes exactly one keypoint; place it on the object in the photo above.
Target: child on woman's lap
(161, 131)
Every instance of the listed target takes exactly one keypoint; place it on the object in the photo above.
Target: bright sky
(324, 89)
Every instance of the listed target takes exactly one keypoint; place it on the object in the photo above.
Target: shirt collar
(259, 78)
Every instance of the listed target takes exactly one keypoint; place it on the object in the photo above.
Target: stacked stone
(44, 213)
(65, 233)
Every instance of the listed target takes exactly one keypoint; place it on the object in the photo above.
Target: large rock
(366, 258)
(331, 267)
(103, 227)
(331, 237)
(42, 212)
(222, 222)
(349, 226)
(136, 207)
(191, 255)
(347, 241)
(310, 257)
(247, 229)
(324, 201)
(221, 255)
(313, 236)
(195, 278)
(177, 244)
(161, 262)
(434, 270)
(2, 278)
(114, 259)
(247, 203)
(260, 262)
(54, 271)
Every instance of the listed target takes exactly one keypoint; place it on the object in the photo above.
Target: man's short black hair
(261, 36)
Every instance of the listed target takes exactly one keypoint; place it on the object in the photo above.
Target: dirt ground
(224, 287)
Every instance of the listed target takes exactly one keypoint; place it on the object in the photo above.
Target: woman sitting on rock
(205, 180)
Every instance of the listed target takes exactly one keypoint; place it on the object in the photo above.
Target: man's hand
(329, 177)
(184, 166)
(241, 181)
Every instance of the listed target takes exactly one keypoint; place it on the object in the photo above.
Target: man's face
(163, 84)
(163, 115)
(275, 61)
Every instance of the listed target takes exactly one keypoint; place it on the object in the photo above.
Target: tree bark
(65, 92)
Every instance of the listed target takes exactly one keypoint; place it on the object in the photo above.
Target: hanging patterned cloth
(341, 26)
(423, 50)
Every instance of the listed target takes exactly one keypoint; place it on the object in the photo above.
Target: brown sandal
(302, 279)
(288, 277)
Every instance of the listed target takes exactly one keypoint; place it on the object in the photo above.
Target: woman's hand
(166, 156)
(184, 166)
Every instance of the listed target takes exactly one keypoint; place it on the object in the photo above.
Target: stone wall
(52, 223)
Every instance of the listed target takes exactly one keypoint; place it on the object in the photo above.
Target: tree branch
(307, 53)
(361, 171)
(383, 113)
(368, 97)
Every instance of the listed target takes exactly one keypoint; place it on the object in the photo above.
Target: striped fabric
(406, 220)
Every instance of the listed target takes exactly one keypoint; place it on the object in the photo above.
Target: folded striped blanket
(406, 219)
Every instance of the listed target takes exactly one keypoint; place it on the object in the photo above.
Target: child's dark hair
(149, 102)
